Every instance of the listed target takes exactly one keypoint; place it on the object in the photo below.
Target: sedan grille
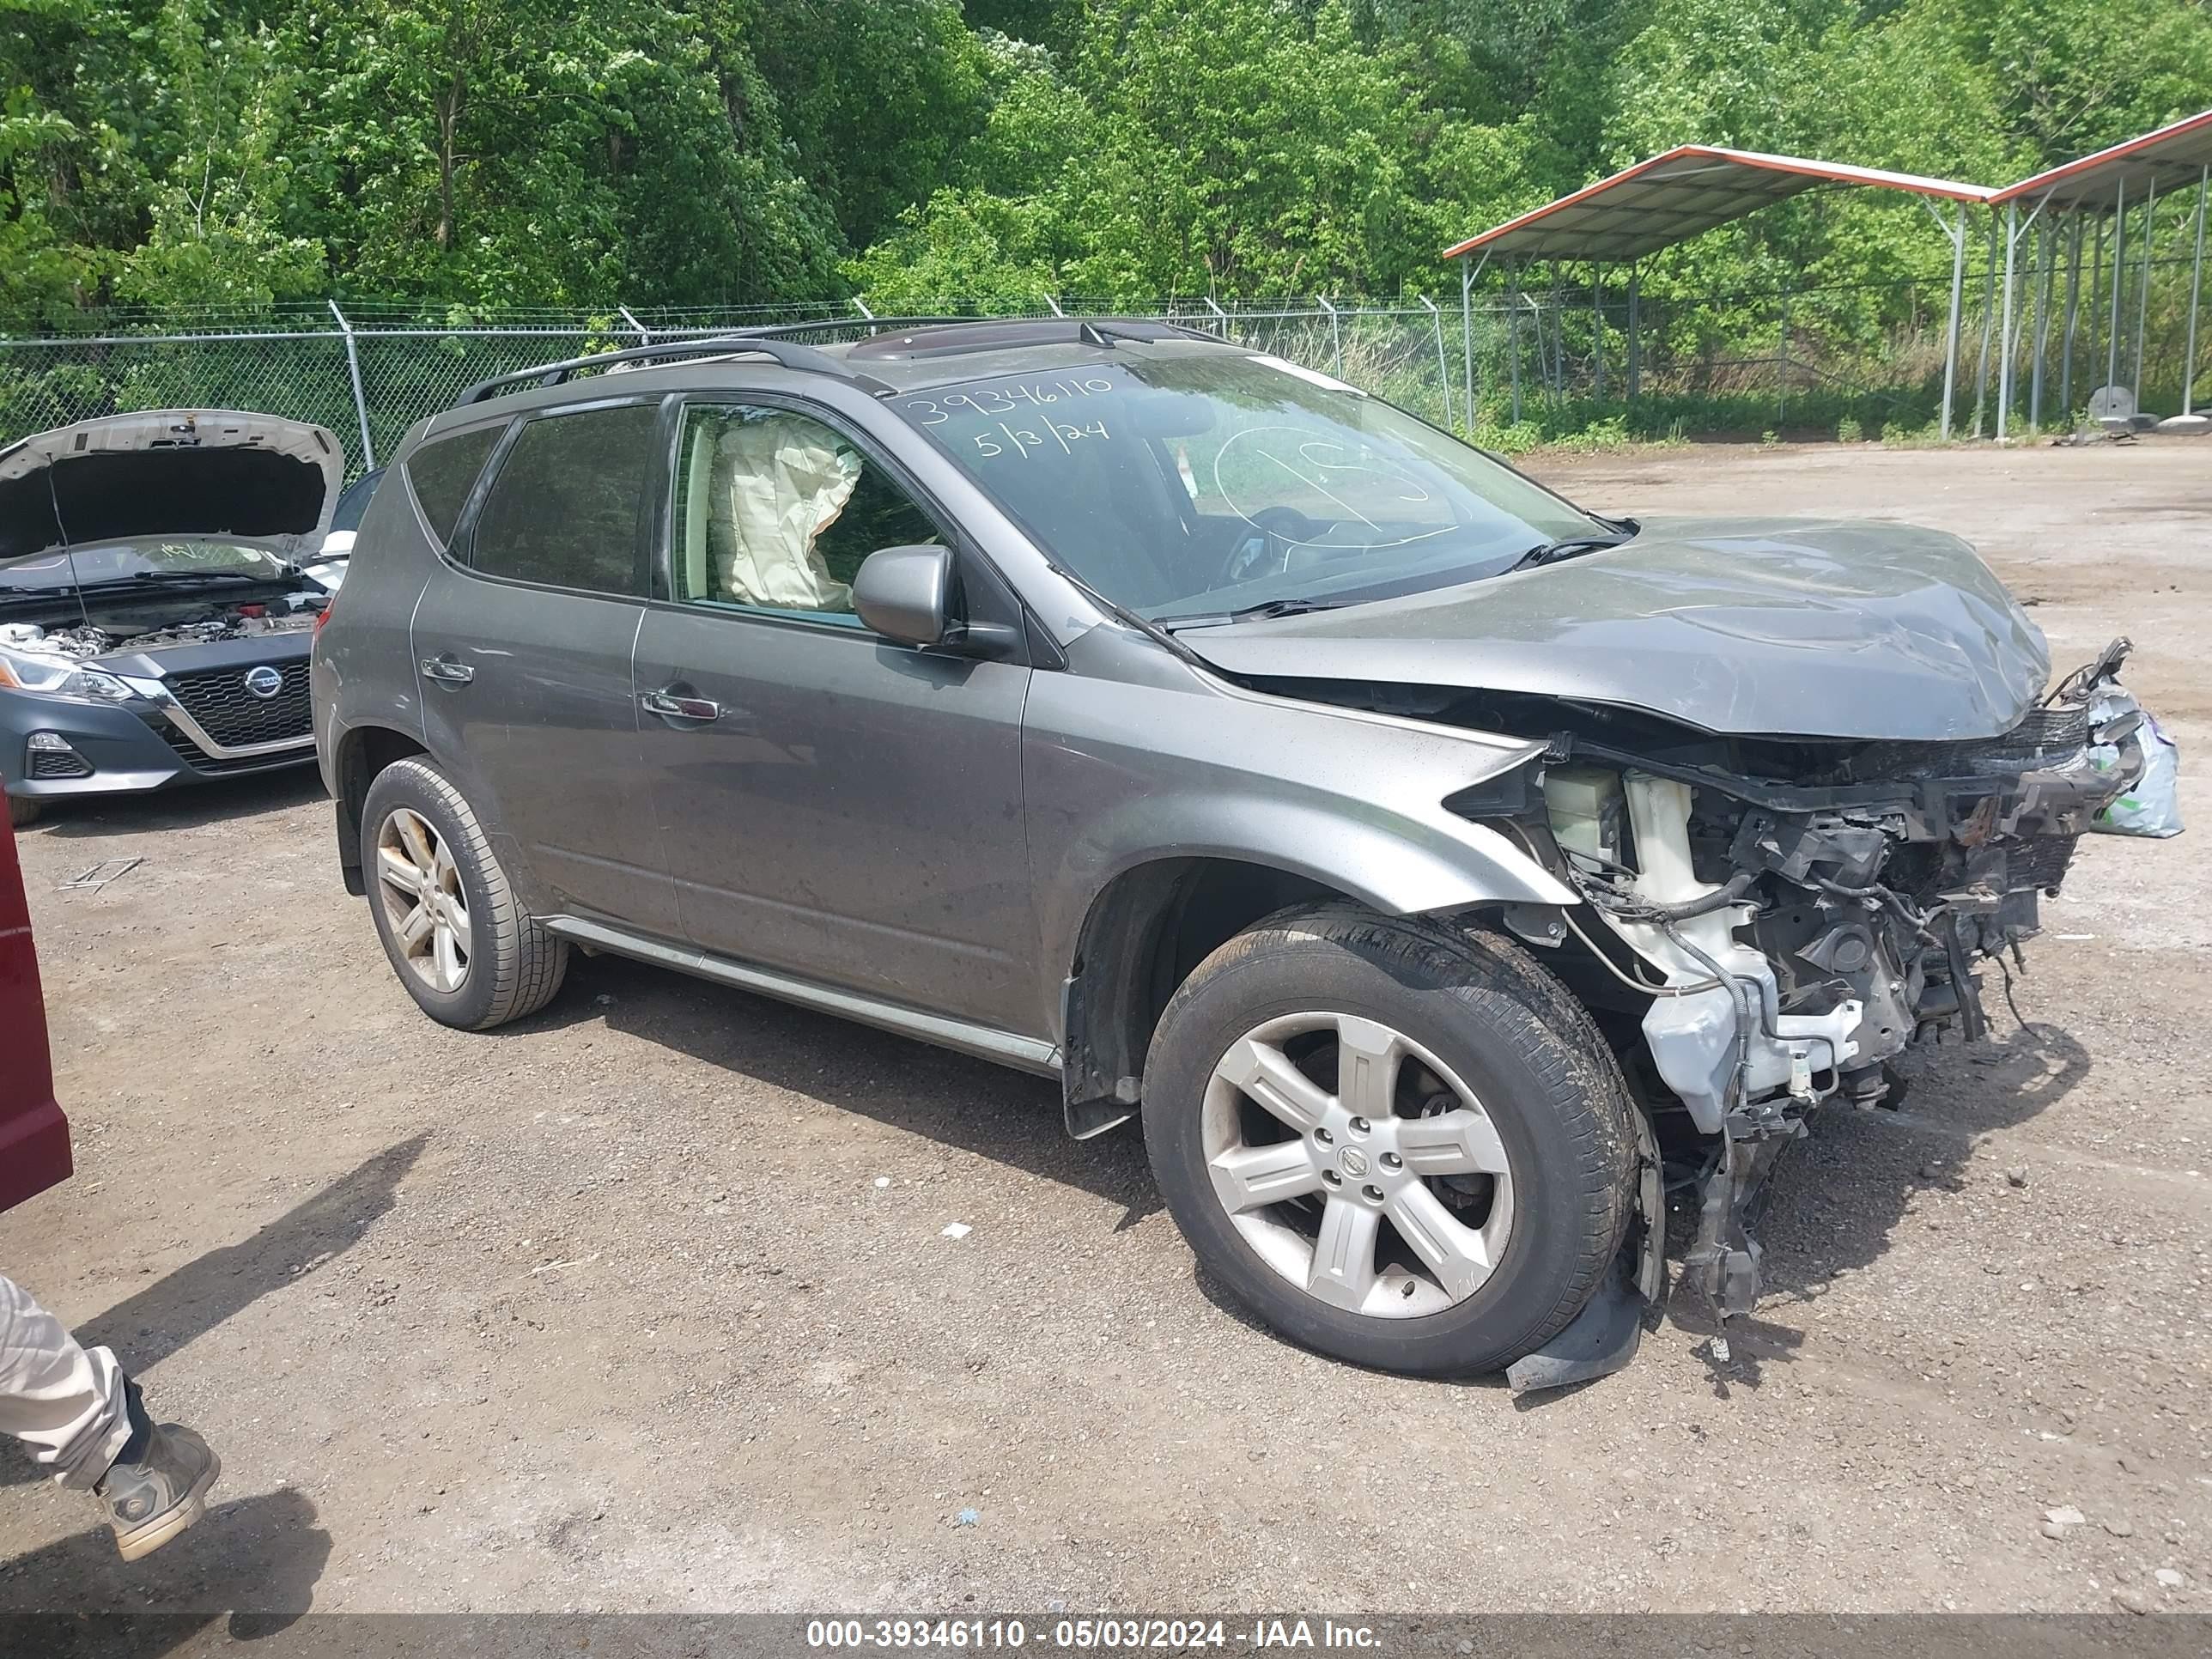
(231, 712)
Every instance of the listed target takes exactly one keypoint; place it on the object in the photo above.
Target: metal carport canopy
(2169, 159)
(1672, 198)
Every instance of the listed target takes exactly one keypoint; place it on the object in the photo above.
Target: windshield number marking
(996, 400)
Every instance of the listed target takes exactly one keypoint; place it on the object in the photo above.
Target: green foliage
(464, 155)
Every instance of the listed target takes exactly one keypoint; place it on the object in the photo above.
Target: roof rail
(1094, 331)
(789, 355)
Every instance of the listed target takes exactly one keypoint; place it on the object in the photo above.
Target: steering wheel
(1280, 528)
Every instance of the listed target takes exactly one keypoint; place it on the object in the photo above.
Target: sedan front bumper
(51, 748)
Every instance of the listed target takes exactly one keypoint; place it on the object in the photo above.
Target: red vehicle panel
(34, 1139)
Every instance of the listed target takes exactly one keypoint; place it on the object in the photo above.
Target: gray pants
(63, 1401)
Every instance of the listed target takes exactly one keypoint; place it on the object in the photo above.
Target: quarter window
(563, 508)
(442, 472)
(775, 510)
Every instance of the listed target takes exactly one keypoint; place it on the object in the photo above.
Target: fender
(1183, 764)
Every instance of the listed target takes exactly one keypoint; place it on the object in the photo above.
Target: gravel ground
(645, 1303)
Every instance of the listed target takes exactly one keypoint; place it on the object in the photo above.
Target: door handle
(446, 671)
(671, 705)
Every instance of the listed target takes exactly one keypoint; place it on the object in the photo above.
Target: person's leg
(80, 1415)
(68, 1403)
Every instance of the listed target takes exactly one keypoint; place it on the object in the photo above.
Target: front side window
(441, 473)
(1193, 483)
(563, 509)
(775, 510)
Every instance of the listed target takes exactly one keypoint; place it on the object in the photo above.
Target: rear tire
(1396, 1142)
(456, 934)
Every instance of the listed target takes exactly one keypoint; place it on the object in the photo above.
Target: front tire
(21, 810)
(456, 934)
(1398, 1143)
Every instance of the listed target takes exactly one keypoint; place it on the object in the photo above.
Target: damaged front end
(1792, 915)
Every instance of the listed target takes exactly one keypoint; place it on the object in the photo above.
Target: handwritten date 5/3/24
(1023, 441)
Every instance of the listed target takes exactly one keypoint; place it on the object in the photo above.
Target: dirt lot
(644, 1302)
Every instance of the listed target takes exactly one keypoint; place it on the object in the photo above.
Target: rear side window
(563, 508)
(443, 473)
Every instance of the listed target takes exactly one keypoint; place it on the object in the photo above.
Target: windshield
(1183, 487)
(169, 560)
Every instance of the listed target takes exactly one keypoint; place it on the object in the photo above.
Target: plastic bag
(2151, 805)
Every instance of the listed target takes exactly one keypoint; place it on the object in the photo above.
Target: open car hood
(169, 472)
(1776, 627)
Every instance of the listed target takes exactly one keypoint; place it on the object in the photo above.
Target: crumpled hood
(169, 472)
(1779, 627)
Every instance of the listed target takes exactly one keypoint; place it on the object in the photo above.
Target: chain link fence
(1514, 367)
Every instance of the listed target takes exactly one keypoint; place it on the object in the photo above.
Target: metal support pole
(1558, 335)
(861, 305)
(1635, 358)
(1781, 365)
(644, 335)
(1054, 302)
(360, 400)
(1989, 321)
(1958, 236)
(2196, 293)
(2047, 251)
(2119, 252)
(1335, 334)
(2143, 296)
(1443, 375)
(2073, 320)
(1513, 330)
(2096, 300)
(2004, 329)
(1597, 325)
(1467, 338)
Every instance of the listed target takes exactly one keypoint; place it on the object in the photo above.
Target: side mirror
(902, 592)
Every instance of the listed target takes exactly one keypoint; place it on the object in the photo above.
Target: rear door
(835, 804)
(522, 644)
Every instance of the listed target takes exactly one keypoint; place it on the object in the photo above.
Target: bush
(1848, 431)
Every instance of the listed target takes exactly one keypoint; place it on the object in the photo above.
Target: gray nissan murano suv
(1439, 870)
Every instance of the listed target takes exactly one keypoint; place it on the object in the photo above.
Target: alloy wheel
(423, 899)
(1357, 1165)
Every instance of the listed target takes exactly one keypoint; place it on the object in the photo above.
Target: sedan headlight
(57, 676)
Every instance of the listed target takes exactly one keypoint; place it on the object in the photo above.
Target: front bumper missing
(1992, 826)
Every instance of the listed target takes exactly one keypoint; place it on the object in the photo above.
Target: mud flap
(1599, 1340)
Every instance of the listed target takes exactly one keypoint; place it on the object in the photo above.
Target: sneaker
(151, 1499)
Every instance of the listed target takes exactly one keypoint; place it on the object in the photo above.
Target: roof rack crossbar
(789, 353)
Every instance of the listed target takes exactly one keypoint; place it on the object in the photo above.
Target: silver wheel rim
(423, 900)
(1389, 1195)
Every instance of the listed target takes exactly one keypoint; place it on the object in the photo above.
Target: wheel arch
(1145, 930)
(1154, 883)
(362, 751)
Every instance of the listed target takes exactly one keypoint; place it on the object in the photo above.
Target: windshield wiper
(1552, 552)
(1266, 611)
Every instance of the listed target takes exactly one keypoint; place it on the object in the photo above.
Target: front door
(523, 661)
(834, 804)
